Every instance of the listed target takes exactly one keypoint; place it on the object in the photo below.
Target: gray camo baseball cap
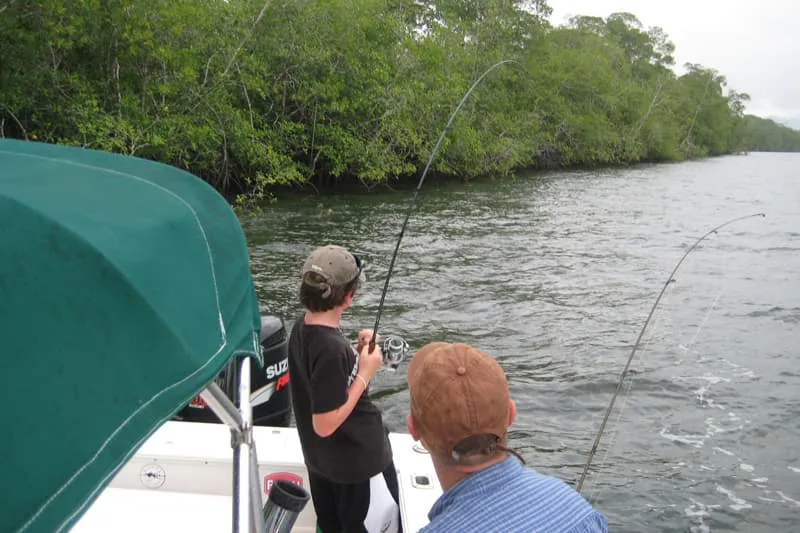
(334, 264)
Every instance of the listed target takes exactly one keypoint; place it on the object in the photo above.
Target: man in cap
(461, 411)
(345, 444)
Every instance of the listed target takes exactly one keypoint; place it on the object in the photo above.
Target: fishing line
(199, 96)
(621, 380)
(632, 380)
(412, 204)
(239, 47)
(705, 319)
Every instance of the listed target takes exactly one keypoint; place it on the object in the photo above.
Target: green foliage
(251, 95)
(764, 135)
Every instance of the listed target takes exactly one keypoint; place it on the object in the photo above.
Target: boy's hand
(370, 362)
(364, 336)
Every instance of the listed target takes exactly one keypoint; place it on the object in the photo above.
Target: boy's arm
(326, 423)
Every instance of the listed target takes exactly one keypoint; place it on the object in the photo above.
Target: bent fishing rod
(621, 380)
(413, 202)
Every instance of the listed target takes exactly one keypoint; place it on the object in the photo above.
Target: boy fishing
(345, 444)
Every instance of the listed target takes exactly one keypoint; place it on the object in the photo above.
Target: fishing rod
(412, 204)
(624, 373)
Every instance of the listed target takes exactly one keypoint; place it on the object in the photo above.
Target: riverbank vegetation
(251, 95)
(765, 135)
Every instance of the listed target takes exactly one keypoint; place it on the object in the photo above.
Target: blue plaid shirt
(509, 498)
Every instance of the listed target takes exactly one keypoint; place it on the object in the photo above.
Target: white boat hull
(181, 480)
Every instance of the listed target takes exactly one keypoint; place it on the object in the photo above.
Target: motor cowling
(271, 408)
(269, 385)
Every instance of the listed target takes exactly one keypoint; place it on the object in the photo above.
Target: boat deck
(180, 480)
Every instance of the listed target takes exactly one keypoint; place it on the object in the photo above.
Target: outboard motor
(269, 387)
(269, 391)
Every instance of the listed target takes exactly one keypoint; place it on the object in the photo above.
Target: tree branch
(225, 169)
(13, 116)
(208, 66)
(653, 103)
(249, 34)
(246, 96)
(686, 139)
(8, 4)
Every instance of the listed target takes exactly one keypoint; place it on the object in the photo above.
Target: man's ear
(512, 412)
(412, 427)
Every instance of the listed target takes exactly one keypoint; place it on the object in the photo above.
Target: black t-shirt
(322, 365)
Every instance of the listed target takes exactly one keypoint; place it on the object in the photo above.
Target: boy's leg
(353, 505)
(326, 504)
(390, 478)
(371, 506)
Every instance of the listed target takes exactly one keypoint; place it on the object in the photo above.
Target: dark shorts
(368, 507)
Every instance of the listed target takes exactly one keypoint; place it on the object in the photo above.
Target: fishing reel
(395, 350)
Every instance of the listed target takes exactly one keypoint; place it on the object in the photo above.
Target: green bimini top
(125, 288)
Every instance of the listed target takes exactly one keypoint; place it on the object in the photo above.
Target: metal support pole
(223, 407)
(244, 444)
(247, 503)
(255, 492)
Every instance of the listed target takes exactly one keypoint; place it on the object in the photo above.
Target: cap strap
(326, 293)
(321, 284)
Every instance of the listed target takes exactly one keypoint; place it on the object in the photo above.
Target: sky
(755, 45)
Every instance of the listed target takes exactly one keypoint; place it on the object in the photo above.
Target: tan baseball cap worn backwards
(334, 264)
(457, 392)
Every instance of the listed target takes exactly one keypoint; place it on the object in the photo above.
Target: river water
(554, 274)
